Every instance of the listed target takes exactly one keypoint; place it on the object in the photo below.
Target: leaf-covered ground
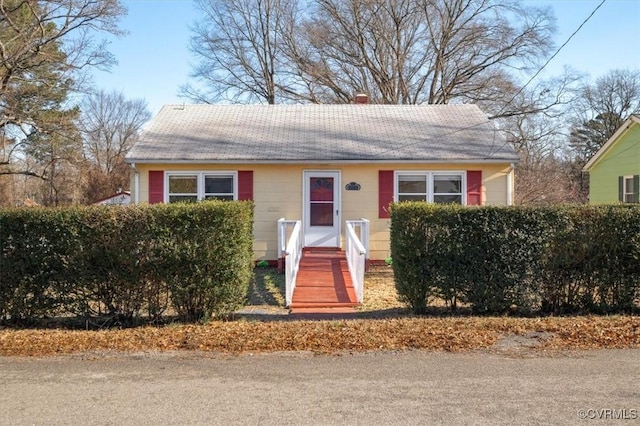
(437, 334)
(381, 324)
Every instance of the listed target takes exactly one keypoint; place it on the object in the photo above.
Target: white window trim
(430, 181)
(200, 175)
(624, 188)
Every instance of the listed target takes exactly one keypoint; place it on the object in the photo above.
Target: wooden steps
(323, 284)
(323, 313)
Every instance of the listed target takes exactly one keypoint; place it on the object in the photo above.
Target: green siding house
(614, 171)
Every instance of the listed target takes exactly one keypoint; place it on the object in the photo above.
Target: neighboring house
(27, 202)
(119, 198)
(322, 164)
(614, 171)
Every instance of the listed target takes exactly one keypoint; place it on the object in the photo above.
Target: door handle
(336, 212)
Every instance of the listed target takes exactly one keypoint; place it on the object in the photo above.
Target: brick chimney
(361, 98)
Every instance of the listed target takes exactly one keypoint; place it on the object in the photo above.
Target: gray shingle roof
(310, 133)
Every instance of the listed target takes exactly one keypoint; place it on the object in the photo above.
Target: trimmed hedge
(533, 259)
(126, 261)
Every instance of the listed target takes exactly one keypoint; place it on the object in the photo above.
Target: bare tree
(7, 191)
(56, 153)
(536, 127)
(475, 44)
(44, 47)
(550, 181)
(545, 174)
(602, 108)
(347, 47)
(396, 51)
(109, 125)
(238, 43)
(553, 150)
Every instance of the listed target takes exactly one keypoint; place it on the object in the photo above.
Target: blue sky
(154, 59)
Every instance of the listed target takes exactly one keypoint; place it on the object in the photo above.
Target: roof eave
(634, 119)
(325, 161)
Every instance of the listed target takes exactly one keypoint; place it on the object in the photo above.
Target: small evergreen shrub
(125, 261)
(532, 259)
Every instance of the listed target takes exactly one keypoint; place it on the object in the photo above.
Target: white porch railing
(357, 252)
(290, 252)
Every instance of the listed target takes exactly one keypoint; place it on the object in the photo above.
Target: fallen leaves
(437, 334)
(396, 332)
(380, 291)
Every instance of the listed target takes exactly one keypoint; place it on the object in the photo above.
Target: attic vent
(361, 98)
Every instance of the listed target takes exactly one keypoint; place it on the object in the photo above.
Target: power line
(519, 91)
(550, 59)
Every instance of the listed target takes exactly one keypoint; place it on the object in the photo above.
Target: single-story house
(118, 199)
(614, 171)
(322, 164)
(27, 202)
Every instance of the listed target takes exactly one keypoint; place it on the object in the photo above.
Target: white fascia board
(634, 119)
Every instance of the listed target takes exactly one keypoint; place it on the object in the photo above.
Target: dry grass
(267, 288)
(380, 291)
(267, 293)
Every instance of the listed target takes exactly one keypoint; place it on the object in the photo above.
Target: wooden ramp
(323, 284)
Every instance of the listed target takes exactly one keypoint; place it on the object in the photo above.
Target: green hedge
(533, 259)
(125, 261)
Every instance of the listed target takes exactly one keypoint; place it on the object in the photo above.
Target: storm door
(321, 209)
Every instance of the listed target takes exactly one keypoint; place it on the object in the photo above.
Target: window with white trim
(219, 187)
(629, 190)
(191, 187)
(432, 187)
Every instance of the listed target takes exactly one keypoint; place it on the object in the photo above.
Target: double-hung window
(628, 190)
(432, 187)
(219, 187)
(447, 188)
(191, 187)
(183, 188)
(413, 187)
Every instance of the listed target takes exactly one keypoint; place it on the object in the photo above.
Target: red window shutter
(474, 187)
(385, 192)
(245, 185)
(156, 186)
